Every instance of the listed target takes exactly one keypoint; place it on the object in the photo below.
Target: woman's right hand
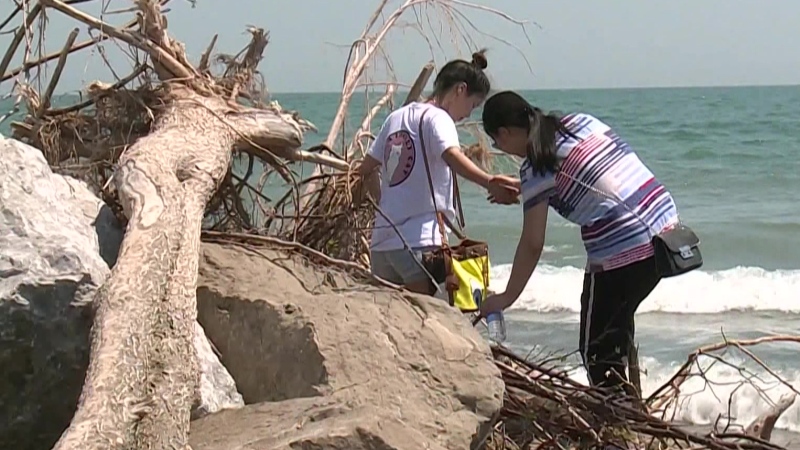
(368, 182)
(504, 190)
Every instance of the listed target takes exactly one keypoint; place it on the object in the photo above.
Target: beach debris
(545, 407)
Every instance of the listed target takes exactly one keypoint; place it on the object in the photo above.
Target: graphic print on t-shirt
(399, 157)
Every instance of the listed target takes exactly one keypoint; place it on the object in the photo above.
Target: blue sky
(574, 44)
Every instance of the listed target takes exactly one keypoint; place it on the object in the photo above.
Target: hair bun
(479, 59)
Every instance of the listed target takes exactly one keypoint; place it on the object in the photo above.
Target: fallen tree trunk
(142, 375)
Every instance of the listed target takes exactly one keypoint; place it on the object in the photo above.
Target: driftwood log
(142, 375)
(164, 182)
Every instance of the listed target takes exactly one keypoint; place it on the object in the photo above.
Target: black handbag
(677, 251)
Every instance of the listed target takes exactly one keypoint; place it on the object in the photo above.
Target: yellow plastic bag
(472, 273)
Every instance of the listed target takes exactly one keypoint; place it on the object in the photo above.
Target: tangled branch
(545, 408)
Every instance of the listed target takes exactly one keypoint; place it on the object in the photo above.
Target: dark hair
(508, 109)
(460, 71)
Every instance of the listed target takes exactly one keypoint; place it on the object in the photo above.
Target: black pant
(608, 303)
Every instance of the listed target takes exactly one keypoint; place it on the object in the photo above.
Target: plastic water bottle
(497, 327)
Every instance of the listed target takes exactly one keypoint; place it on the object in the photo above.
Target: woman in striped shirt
(591, 177)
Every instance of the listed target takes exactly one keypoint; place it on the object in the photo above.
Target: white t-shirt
(405, 192)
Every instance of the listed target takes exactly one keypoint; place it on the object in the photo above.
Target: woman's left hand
(494, 303)
(506, 199)
(504, 190)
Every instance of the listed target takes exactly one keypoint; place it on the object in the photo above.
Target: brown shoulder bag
(440, 262)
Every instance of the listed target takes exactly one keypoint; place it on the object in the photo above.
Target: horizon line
(597, 88)
(550, 89)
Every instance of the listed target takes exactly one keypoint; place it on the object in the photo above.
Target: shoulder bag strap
(441, 219)
(457, 193)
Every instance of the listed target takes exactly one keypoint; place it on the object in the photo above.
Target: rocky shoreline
(292, 355)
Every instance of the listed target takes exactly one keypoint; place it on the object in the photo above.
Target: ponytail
(544, 131)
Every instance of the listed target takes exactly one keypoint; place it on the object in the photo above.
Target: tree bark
(142, 377)
(763, 425)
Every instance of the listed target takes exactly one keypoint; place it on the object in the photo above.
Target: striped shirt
(602, 186)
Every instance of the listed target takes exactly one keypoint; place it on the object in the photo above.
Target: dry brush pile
(177, 147)
(546, 408)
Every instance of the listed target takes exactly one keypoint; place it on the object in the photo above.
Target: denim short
(400, 266)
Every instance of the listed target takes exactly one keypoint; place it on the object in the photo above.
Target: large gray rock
(57, 242)
(217, 388)
(326, 363)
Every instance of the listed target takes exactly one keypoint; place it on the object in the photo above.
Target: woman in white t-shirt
(394, 172)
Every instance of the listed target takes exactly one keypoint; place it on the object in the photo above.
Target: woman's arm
(502, 189)
(370, 180)
(441, 140)
(368, 168)
(462, 165)
(529, 250)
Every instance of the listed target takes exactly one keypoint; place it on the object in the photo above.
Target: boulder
(323, 361)
(217, 387)
(57, 242)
